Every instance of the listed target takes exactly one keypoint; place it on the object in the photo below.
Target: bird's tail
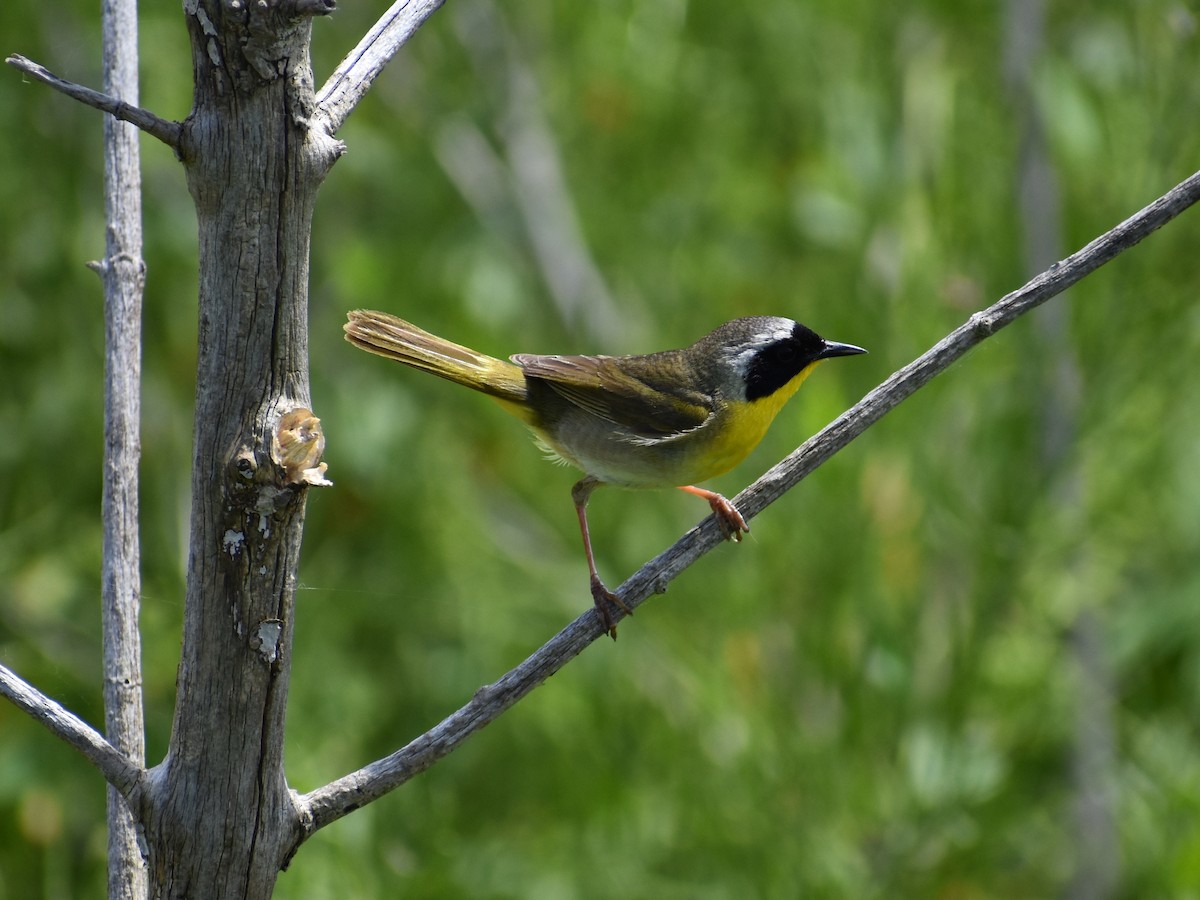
(386, 335)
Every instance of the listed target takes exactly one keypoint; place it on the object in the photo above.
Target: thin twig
(334, 800)
(355, 74)
(166, 131)
(116, 768)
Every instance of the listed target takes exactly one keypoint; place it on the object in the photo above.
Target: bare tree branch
(1056, 279)
(166, 131)
(334, 800)
(123, 272)
(117, 769)
(330, 803)
(353, 77)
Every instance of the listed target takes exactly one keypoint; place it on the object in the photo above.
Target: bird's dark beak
(833, 348)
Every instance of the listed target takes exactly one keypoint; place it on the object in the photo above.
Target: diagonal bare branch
(329, 803)
(166, 131)
(906, 381)
(355, 74)
(116, 768)
(334, 800)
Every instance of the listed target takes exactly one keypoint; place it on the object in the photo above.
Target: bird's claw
(729, 520)
(602, 597)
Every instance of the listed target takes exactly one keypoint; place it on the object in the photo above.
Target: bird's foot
(602, 597)
(728, 518)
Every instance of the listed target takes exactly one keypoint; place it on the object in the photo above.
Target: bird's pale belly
(693, 456)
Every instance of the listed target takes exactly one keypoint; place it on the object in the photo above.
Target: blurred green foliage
(879, 694)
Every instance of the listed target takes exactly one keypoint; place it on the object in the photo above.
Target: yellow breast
(739, 429)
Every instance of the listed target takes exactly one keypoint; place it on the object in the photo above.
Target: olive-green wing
(622, 391)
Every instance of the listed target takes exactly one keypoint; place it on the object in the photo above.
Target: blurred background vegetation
(962, 660)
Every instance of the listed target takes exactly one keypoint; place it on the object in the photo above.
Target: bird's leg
(601, 595)
(728, 518)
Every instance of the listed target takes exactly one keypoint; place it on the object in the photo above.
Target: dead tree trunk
(219, 818)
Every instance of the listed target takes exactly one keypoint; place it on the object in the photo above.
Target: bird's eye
(773, 367)
(785, 352)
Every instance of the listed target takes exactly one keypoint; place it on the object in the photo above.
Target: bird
(666, 419)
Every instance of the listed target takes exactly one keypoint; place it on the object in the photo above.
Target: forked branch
(329, 803)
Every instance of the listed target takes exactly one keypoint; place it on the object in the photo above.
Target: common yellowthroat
(662, 420)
